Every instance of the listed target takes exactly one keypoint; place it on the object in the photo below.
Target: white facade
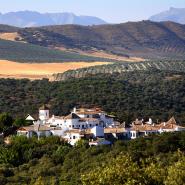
(30, 132)
(73, 137)
(43, 115)
(73, 123)
(97, 131)
(55, 121)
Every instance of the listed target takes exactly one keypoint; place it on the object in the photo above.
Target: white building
(81, 119)
(140, 129)
(92, 124)
(71, 126)
(36, 130)
(44, 114)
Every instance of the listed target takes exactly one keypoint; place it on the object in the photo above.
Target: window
(73, 126)
(70, 126)
(74, 137)
(90, 125)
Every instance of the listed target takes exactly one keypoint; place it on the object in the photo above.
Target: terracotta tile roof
(114, 130)
(171, 124)
(35, 128)
(172, 121)
(89, 119)
(145, 127)
(167, 126)
(81, 132)
(73, 131)
(89, 111)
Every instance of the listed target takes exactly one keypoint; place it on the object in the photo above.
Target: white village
(94, 125)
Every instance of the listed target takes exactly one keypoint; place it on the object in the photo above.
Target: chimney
(74, 110)
(150, 121)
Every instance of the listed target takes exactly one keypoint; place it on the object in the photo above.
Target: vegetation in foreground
(150, 161)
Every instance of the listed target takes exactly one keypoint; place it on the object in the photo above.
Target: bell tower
(44, 113)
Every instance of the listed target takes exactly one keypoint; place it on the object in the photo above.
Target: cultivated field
(103, 54)
(9, 69)
(10, 36)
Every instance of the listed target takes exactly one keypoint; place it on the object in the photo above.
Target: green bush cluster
(154, 160)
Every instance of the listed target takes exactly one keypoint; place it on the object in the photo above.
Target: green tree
(5, 121)
(39, 181)
(155, 171)
(82, 143)
(121, 170)
(176, 172)
(20, 122)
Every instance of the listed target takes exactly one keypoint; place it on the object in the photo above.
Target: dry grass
(102, 54)
(10, 36)
(33, 71)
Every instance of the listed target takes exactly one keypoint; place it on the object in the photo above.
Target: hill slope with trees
(156, 94)
(144, 39)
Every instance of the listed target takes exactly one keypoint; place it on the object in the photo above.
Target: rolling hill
(139, 39)
(121, 68)
(8, 29)
(173, 14)
(24, 52)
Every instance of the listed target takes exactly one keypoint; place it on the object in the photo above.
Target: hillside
(139, 39)
(156, 94)
(8, 29)
(32, 18)
(173, 14)
(120, 68)
(24, 52)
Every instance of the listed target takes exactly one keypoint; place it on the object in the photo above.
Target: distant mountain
(136, 39)
(30, 19)
(173, 14)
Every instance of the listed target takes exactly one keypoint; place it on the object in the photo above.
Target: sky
(112, 11)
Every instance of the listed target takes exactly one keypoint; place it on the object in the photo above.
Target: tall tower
(44, 113)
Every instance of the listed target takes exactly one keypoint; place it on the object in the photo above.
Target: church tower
(44, 113)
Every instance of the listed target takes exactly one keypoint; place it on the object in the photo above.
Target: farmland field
(9, 69)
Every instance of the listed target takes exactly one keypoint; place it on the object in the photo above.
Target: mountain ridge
(33, 19)
(173, 14)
